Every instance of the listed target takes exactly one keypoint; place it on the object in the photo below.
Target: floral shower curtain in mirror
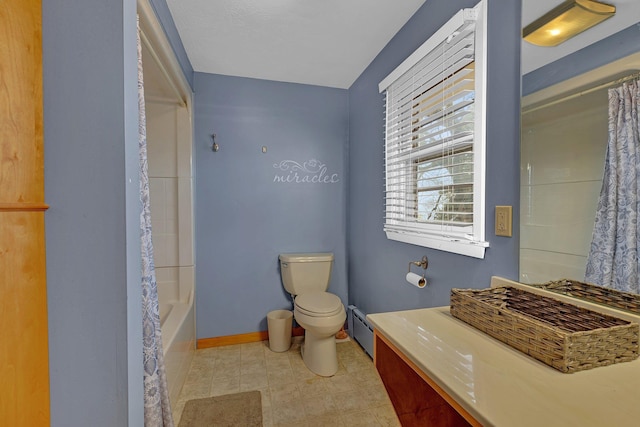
(157, 409)
(613, 258)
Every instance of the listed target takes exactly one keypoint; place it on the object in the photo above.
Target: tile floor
(291, 394)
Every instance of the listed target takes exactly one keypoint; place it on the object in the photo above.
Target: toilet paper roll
(416, 280)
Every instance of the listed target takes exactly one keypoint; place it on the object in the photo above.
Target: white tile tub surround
(562, 162)
(161, 135)
(165, 221)
(169, 106)
(170, 179)
(175, 295)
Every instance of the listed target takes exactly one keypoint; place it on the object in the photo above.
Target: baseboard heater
(361, 330)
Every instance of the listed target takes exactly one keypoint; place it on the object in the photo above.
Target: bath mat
(231, 410)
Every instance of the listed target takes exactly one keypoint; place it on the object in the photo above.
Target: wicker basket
(564, 336)
(594, 293)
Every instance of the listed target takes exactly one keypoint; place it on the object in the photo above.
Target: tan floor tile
(257, 367)
(226, 369)
(270, 354)
(221, 386)
(360, 419)
(202, 363)
(251, 351)
(267, 419)
(386, 415)
(253, 382)
(252, 357)
(194, 391)
(341, 370)
(378, 396)
(313, 386)
(232, 348)
(198, 374)
(277, 362)
(287, 414)
(266, 397)
(228, 353)
(324, 421)
(318, 406)
(368, 378)
(291, 394)
(251, 347)
(350, 347)
(280, 376)
(349, 401)
(296, 361)
(283, 393)
(341, 383)
(301, 372)
(355, 364)
(206, 353)
(346, 347)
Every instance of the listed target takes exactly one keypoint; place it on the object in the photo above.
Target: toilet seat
(318, 304)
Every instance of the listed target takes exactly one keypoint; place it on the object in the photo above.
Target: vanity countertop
(501, 386)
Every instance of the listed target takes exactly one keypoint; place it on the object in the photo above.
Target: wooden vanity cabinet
(417, 400)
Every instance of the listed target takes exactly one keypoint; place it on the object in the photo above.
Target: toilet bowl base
(319, 354)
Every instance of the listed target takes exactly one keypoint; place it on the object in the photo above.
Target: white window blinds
(434, 142)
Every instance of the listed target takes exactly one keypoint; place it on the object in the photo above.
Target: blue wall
(377, 266)
(245, 219)
(92, 226)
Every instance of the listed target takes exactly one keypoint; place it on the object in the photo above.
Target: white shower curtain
(613, 258)
(157, 409)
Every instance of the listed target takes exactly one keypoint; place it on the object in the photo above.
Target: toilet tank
(306, 272)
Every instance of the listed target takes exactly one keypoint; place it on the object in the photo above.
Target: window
(435, 140)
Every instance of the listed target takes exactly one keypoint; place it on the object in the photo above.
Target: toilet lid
(319, 302)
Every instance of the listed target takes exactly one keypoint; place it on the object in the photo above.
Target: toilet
(320, 313)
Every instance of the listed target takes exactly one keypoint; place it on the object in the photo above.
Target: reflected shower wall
(563, 147)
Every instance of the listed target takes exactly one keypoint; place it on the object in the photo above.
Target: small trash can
(279, 324)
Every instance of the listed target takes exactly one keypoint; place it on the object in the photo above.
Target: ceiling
(330, 42)
(325, 43)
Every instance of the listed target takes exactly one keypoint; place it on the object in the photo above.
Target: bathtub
(177, 320)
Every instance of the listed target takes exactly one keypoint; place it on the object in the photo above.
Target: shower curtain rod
(163, 69)
(632, 76)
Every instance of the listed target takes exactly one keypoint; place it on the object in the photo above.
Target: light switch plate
(504, 225)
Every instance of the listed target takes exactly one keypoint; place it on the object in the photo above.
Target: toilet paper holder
(424, 263)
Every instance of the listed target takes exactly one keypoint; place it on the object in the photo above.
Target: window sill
(461, 247)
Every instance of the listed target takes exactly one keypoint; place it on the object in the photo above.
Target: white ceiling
(318, 42)
(330, 42)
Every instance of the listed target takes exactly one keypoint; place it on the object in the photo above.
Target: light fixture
(565, 21)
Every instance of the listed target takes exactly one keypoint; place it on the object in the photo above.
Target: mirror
(563, 146)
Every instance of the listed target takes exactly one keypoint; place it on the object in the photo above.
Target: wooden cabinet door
(24, 362)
